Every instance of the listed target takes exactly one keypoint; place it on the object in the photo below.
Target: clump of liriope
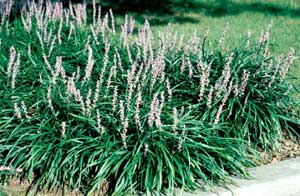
(95, 108)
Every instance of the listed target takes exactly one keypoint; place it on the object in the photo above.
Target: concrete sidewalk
(277, 179)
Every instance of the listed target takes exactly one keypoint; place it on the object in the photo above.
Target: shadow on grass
(224, 7)
(164, 19)
(216, 8)
(175, 12)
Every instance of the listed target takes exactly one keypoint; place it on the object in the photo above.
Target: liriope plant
(97, 109)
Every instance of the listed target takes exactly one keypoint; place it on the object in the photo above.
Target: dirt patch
(289, 148)
(17, 188)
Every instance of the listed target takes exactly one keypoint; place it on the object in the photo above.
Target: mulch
(288, 148)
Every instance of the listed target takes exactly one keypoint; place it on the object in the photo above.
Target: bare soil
(288, 148)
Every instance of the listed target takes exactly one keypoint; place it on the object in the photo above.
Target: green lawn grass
(241, 16)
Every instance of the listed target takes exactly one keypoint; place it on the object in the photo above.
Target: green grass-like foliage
(89, 107)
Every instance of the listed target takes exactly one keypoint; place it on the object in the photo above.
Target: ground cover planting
(97, 108)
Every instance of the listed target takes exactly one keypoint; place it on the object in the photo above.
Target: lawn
(241, 16)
